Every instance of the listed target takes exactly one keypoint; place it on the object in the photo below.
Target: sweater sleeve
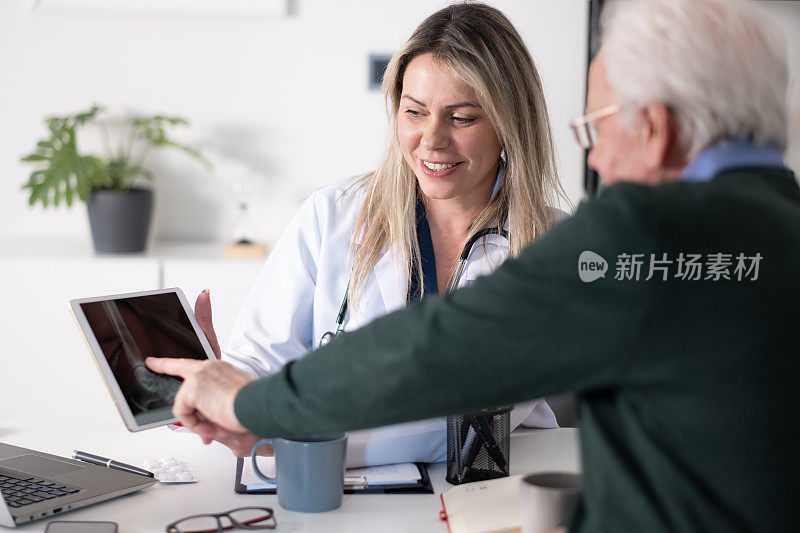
(530, 329)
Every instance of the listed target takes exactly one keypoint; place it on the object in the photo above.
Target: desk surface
(150, 510)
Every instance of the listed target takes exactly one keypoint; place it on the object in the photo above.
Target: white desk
(150, 510)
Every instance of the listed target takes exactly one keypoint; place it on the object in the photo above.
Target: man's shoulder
(778, 180)
(614, 222)
(621, 210)
(751, 205)
(748, 185)
(632, 216)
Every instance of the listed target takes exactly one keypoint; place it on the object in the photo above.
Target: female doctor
(468, 173)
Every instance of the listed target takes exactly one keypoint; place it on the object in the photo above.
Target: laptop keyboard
(24, 490)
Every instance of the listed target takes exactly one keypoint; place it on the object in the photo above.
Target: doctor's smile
(438, 170)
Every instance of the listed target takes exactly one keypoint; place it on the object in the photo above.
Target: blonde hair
(484, 50)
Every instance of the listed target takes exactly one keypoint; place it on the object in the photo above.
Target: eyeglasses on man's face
(246, 518)
(584, 126)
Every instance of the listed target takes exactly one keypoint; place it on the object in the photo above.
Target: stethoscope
(328, 336)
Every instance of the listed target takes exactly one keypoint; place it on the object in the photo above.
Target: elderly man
(669, 302)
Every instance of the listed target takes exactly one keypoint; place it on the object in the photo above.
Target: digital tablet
(124, 329)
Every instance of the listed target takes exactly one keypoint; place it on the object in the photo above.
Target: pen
(483, 429)
(471, 448)
(109, 463)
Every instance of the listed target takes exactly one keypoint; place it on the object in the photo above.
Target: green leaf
(82, 118)
(34, 157)
(64, 164)
(68, 193)
(33, 197)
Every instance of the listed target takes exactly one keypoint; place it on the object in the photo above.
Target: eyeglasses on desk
(247, 518)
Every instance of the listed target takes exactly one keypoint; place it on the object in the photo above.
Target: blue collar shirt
(729, 154)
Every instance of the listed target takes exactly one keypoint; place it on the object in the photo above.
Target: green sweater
(687, 388)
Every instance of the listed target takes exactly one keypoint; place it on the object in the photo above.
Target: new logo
(591, 266)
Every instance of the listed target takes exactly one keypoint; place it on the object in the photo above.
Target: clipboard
(420, 486)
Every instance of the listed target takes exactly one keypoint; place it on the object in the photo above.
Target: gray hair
(720, 65)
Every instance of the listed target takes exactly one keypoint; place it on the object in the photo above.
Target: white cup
(547, 500)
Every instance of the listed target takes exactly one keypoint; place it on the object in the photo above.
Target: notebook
(36, 485)
(403, 477)
(483, 506)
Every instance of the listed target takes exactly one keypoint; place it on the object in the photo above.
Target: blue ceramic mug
(309, 472)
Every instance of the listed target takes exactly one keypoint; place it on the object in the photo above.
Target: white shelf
(171, 8)
(82, 249)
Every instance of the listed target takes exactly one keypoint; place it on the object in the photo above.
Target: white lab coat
(296, 299)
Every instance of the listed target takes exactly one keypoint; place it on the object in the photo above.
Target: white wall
(787, 14)
(285, 95)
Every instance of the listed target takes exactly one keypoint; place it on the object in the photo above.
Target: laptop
(36, 485)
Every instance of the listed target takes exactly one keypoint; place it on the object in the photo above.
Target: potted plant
(119, 209)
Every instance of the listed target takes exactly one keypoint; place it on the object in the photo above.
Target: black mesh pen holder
(478, 445)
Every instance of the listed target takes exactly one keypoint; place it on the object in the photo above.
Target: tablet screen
(131, 329)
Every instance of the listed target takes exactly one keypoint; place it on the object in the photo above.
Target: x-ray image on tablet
(123, 330)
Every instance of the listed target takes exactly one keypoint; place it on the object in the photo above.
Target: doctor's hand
(204, 403)
(202, 312)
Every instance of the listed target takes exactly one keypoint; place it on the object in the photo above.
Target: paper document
(386, 474)
(399, 474)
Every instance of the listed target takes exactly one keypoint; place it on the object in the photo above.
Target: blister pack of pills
(169, 470)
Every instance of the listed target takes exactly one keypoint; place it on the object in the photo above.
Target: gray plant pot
(120, 220)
